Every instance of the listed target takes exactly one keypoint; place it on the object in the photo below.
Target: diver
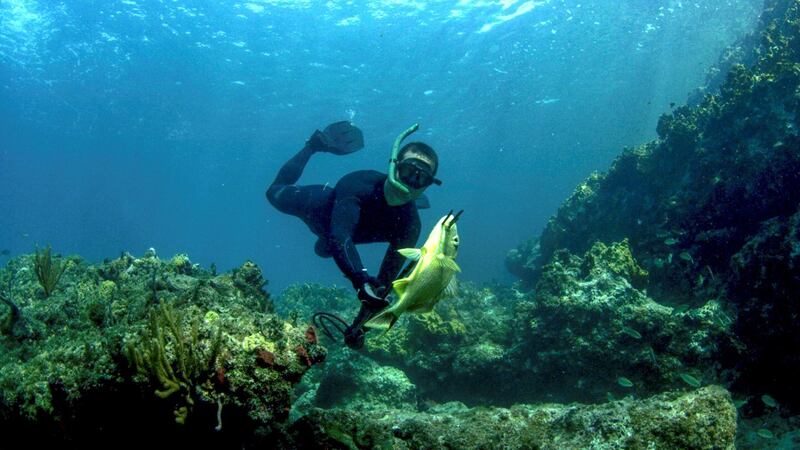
(364, 206)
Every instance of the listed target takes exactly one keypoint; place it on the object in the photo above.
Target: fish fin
(452, 288)
(400, 285)
(450, 264)
(383, 321)
(411, 253)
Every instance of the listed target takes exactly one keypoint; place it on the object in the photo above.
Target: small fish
(631, 332)
(624, 382)
(680, 309)
(670, 241)
(432, 278)
(769, 401)
(690, 380)
(686, 256)
(653, 356)
(765, 433)
(5, 252)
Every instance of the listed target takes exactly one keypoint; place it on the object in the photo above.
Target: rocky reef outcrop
(710, 208)
(587, 333)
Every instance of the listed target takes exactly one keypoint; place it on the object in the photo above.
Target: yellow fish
(432, 278)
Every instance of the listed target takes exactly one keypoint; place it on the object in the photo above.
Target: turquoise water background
(131, 124)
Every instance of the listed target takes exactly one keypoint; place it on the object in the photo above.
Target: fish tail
(383, 321)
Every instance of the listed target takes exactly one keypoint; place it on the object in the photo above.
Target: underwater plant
(176, 356)
(48, 271)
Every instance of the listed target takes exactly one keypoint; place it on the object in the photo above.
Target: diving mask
(404, 176)
(415, 173)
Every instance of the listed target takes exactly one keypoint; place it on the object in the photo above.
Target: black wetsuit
(353, 212)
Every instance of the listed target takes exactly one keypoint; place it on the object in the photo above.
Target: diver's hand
(370, 297)
(382, 291)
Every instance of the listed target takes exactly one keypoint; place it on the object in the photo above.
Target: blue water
(133, 124)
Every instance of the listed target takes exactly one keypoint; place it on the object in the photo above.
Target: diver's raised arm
(344, 219)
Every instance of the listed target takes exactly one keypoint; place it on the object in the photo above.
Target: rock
(701, 419)
(354, 382)
(587, 325)
(181, 282)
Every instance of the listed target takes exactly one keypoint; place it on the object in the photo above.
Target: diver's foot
(316, 142)
(338, 138)
(354, 334)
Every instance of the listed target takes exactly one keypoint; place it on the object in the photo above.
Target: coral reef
(181, 352)
(701, 419)
(147, 344)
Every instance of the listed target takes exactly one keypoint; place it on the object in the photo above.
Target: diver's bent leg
(283, 194)
(300, 201)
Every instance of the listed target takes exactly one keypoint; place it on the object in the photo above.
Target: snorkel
(395, 192)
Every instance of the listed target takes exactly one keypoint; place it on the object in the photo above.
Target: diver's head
(416, 166)
(411, 170)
